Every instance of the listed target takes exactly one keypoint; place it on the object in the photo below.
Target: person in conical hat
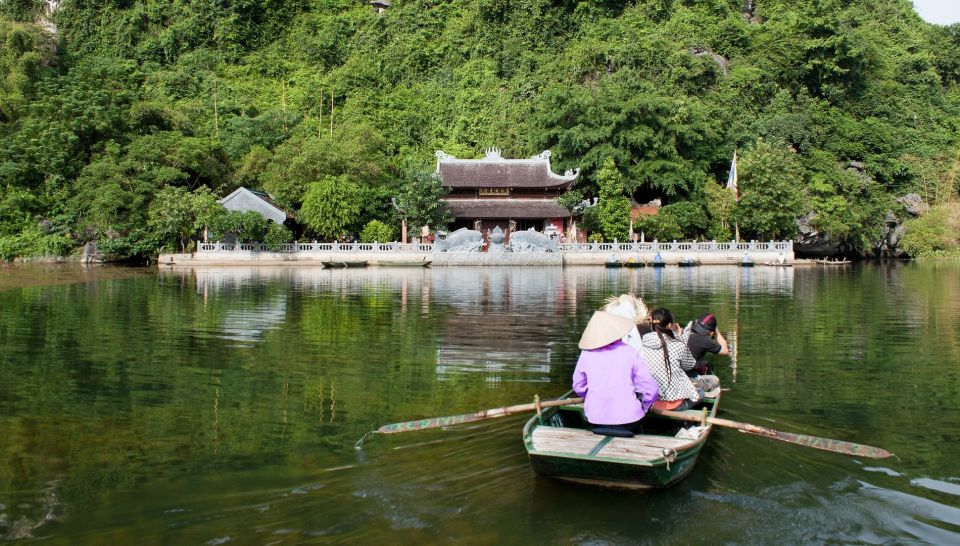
(633, 308)
(612, 377)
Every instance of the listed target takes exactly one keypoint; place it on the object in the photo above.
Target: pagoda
(515, 194)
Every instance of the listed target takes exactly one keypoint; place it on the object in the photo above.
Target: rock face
(914, 204)
(91, 254)
(892, 233)
(812, 243)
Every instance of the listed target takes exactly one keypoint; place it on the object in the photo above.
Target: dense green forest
(123, 121)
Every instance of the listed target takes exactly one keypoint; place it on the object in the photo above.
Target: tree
(721, 203)
(771, 197)
(176, 215)
(421, 202)
(356, 152)
(613, 207)
(246, 227)
(331, 206)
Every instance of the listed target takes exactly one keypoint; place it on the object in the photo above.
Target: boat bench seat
(584, 442)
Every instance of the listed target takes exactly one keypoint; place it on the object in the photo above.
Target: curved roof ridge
(495, 171)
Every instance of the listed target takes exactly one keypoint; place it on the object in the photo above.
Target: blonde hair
(639, 308)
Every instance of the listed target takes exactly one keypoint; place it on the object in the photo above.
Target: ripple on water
(950, 487)
(856, 512)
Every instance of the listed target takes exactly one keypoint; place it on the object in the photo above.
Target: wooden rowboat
(611, 264)
(560, 444)
(398, 263)
(342, 264)
(828, 262)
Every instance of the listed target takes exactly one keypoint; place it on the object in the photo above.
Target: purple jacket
(609, 378)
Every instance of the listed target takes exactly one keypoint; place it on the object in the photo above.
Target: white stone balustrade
(672, 252)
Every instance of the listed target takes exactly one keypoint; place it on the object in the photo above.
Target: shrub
(277, 235)
(935, 234)
(662, 226)
(377, 232)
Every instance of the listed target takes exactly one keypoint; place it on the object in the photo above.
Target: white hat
(603, 329)
(627, 305)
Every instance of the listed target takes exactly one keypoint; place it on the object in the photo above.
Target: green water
(222, 405)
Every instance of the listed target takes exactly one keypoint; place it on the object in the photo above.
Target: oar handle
(437, 422)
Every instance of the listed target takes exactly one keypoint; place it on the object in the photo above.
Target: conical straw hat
(603, 329)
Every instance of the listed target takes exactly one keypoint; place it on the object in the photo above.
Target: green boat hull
(614, 474)
(612, 471)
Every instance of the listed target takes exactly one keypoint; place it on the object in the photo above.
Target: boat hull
(334, 265)
(615, 474)
(560, 445)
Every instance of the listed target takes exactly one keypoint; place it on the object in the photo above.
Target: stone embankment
(397, 254)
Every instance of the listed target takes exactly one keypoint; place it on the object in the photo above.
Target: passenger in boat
(781, 259)
(658, 258)
(633, 308)
(613, 379)
(702, 337)
(669, 359)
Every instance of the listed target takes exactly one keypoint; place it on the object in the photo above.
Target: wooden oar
(436, 422)
(827, 444)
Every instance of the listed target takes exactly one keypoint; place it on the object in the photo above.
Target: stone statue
(531, 241)
(462, 240)
(496, 241)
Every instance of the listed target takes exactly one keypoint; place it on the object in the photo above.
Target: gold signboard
(494, 191)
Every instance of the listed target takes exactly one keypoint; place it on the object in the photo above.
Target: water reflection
(201, 405)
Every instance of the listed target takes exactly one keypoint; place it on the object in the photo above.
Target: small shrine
(515, 194)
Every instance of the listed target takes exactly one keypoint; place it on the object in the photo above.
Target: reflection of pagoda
(494, 330)
(495, 191)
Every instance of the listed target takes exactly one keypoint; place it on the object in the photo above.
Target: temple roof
(243, 200)
(506, 208)
(494, 171)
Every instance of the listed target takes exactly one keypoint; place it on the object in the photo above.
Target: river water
(223, 405)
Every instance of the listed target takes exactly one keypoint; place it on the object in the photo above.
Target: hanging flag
(732, 178)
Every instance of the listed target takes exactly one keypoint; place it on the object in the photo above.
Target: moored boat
(560, 444)
(343, 264)
(400, 263)
(833, 262)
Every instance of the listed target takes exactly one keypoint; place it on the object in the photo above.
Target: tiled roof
(495, 172)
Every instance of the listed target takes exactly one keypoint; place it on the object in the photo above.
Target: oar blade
(433, 422)
(837, 446)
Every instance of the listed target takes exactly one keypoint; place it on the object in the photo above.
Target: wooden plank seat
(584, 442)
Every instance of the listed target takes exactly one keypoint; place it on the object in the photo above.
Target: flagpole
(732, 185)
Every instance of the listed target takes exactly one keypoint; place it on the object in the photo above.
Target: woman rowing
(613, 379)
